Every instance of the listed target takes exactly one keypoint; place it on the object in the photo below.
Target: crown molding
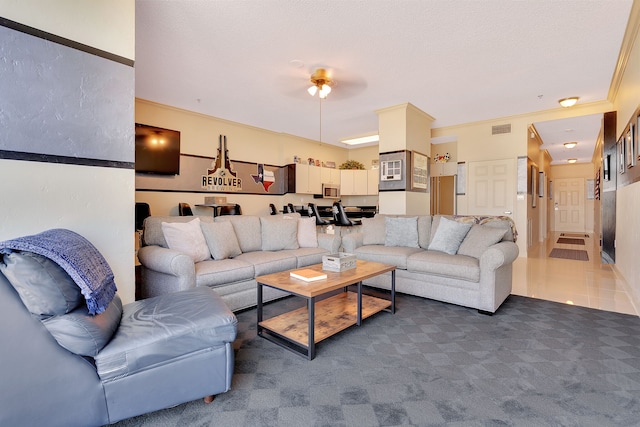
(630, 36)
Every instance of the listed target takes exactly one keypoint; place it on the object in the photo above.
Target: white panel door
(568, 202)
(492, 186)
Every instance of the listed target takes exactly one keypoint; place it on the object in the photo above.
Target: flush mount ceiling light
(361, 139)
(321, 83)
(570, 144)
(572, 160)
(568, 102)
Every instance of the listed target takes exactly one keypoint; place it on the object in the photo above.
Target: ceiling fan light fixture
(324, 91)
(570, 144)
(568, 102)
(321, 83)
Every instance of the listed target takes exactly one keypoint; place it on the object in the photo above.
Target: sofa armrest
(166, 261)
(352, 241)
(165, 271)
(497, 255)
(330, 242)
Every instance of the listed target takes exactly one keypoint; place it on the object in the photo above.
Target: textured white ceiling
(459, 61)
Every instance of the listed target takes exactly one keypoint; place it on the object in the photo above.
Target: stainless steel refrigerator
(443, 195)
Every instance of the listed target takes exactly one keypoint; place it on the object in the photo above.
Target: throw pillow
(307, 233)
(373, 230)
(186, 237)
(401, 231)
(85, 334)
(43, 286)
(279, 233)
(479, 239)
(449, 235)
(221, 239)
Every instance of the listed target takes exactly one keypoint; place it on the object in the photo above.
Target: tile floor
(584, 283)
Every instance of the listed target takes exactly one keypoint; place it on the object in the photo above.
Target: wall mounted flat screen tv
(157, 150)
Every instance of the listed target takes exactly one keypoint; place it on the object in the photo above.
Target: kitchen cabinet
(330, 176)
(308, 179)
(353, 182)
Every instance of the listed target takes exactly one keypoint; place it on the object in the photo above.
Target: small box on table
(339, 262)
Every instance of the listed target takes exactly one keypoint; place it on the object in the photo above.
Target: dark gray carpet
(570, 241)
(533, 363)
(574, 254)
(574, 235)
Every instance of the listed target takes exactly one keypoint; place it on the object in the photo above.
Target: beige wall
(107, 25)
(626, 102)
(93, 201)
(199, 136)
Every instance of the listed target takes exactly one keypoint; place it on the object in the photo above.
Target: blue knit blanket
(75, 255)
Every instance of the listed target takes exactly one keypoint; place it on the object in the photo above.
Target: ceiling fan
(320, 80)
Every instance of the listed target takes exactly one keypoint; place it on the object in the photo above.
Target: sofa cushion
(265, 262)
(221, 240)
(187, 238)
(221, 272)
(401, 231)
(307, 233)
(424, 230)
(44, 287)
(248, 231)
(446, 265)
(307, 256)
(83, 333)
(373, 230)
(449, 235)
(479, 238)
(279, 233)
(153, 234)
(157, 331)
(392, 255)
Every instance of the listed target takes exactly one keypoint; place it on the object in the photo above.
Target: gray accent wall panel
(56, 100)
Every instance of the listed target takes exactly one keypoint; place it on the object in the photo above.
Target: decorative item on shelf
(317, 162)
(352, 164)
(375, 164)
(296, 159)
(311, 161)
(330, 165)
(442, 158)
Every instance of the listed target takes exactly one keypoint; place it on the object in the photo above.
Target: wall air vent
(500, 129)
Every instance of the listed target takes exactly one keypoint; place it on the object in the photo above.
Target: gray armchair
(156, 353)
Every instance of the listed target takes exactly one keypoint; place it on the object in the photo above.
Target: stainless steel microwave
(330, 191)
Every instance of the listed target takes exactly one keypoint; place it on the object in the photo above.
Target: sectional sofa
(227, 254)
(464, 260)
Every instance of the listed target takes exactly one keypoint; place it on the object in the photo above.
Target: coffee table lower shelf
(332, 315)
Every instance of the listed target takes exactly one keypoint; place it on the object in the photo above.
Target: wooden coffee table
(299, 330)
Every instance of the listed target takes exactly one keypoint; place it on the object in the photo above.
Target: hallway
(583, 283)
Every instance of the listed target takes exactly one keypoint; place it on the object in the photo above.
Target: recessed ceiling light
(568, 102)
(572, 160)
(570, 144)
(361, 139)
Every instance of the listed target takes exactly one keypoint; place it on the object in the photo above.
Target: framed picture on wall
(534, 182)
(638, 138)
(419, 171)
(633, 143)
(621, 156)
(629, 147)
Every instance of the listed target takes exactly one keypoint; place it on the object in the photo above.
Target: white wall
(96, 202)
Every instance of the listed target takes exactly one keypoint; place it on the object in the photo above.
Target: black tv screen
(157, 150)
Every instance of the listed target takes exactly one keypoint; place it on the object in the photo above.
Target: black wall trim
(48, 158)
(65, 42)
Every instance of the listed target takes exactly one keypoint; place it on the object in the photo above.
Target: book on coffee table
(308, 275)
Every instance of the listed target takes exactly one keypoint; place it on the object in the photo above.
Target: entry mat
(574, 254)
(568, 241)
(574, 235)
